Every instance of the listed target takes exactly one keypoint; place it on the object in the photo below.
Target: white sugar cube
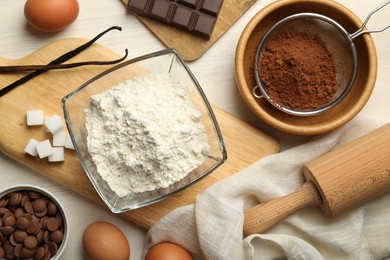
(31, 148)
(44, 148)
(54, 123)
(46, 129)
(57, 155)
(34, 117)
(59, 138)
(68, 142)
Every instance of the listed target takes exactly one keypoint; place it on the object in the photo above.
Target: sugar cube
(59, 138)
(31, 148)
(57, 155)
(44, 148)
(68, 142)
(54, 123)
(46, 129)
(34, 117)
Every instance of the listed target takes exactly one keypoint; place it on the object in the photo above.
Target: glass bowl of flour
(143, 130)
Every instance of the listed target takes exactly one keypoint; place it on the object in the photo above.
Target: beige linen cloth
(212, 227)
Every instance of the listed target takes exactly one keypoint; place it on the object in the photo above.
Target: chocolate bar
(195, 16)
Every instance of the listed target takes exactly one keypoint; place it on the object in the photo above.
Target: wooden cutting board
(244, 143)
(192, 47)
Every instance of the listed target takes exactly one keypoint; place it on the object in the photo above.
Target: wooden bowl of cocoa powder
(333, 118)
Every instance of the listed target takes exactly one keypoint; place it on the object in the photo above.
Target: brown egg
(51, 15)
(103, 240)
(167, 251)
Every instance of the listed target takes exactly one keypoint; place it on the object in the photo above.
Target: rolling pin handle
(262, 217)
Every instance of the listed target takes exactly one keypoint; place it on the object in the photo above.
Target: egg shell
(49, 15)
(167, 251)
(103, 240)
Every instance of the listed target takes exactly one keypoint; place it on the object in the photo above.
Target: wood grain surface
(245, 144)
(192, 47)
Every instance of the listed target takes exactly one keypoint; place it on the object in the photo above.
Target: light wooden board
(192, 47)
(244, 143)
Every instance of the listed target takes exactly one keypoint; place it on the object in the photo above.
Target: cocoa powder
(298, 71)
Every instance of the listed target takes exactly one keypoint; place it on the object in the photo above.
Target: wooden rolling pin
(342, 179)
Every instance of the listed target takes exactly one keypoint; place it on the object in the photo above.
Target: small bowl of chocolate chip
(33, 224)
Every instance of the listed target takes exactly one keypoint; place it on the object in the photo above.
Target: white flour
(145, 134)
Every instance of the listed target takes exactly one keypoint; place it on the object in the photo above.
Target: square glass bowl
(164, 61)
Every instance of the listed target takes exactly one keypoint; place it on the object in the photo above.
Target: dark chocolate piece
(196, 16)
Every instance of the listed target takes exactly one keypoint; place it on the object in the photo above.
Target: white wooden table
(214, 70)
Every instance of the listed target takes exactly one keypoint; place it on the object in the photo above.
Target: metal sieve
(338, 42)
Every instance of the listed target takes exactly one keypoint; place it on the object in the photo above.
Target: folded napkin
(212, 227)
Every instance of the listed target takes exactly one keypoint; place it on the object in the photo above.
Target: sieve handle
(256, 91)
(363, 31)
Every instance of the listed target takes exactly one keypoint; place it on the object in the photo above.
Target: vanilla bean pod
(23, 68)
(58, 60)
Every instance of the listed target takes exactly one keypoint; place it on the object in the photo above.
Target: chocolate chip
(3, 203)
(51, 209)
(57, 236)
(12, 240)
(19, 212)
(27, 253)
(7, 230)
(38, 228)
(28, 207)
(9, 219)
(41, 213)
(25, 199)
(45, 246)
(28, 216)
(18, 250)
(52, 224)
(30, 242)
(46, 237)
(40, 253)
(34, 195)
(43, 221)
(39, 236)
(39, 205)
(35, 218)
(20, 236)
(15, 199)
(32, 227)
(22, 223)
(60, 221)
(3, 211)
(8, 248)
(53, 248)
(47, 256)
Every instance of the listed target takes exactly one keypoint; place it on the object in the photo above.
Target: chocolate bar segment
(211, 7)
(196, 16)
(190, 3)
(160, 9)
(139, 5)
(182, 17)
(204, 24)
